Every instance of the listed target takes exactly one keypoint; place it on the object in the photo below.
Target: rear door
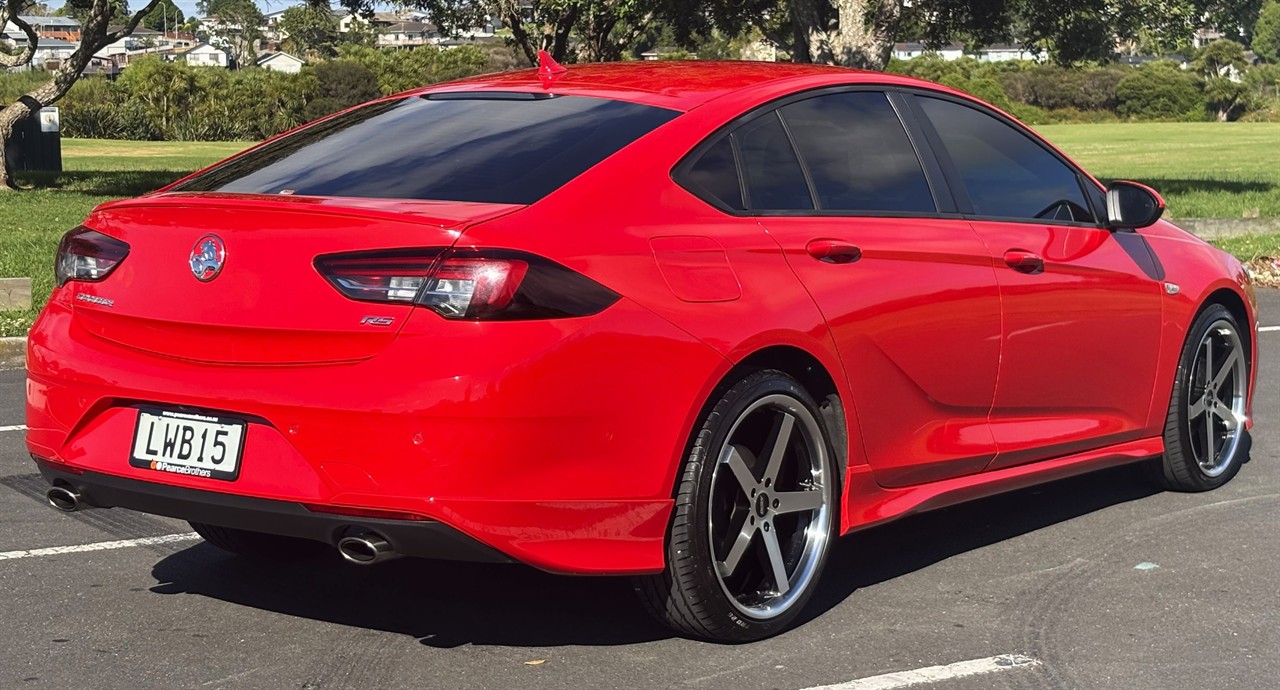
(1082, 304)
(908, 291)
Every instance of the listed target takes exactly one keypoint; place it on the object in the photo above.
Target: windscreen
(481, 147)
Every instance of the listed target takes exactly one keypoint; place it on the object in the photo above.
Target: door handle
(1024, 261)
(833, 251)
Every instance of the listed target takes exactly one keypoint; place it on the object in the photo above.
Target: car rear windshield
(508, 148)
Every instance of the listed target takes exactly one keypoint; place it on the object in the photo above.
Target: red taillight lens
(87, 255)
(491, 285)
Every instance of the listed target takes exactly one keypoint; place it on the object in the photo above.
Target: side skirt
(868, 504)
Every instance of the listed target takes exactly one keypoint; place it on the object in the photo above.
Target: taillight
(87, 255)
(488, 285)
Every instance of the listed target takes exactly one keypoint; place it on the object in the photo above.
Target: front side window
(858, 154)
(1005, 172)
(483, 147)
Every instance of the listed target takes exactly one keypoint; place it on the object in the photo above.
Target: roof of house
(281, 55)
(408, 28)
(54, 43)
(68, 22)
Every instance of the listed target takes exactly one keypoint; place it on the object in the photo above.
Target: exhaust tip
(63, 499)
(365, 549)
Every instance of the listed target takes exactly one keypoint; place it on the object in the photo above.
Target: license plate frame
(152, 447)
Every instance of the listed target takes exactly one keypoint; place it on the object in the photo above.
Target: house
(911, 50)
(1003, 52)
(204, 55)
(408, 34)
(50, 52)
(281, 62)
(1204, 36)
(61, 28)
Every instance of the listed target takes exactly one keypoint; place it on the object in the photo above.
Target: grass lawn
(31, 221)
(1205, 170)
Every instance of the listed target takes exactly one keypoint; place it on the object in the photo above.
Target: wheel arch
(1236, 305)
(816, 378)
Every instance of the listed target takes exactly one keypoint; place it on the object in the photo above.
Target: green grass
(31, 221)
(1203, 169)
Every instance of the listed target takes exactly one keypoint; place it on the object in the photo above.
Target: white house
(205, 55)
(52, 50)
(1002, 52)
(908, 51)
(408, 34)
(281, 62)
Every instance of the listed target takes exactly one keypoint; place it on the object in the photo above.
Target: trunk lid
(268, 304)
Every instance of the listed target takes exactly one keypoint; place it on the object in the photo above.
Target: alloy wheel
(1217, 392)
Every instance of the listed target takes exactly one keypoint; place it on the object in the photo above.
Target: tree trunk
(862, 36)
(10, 117)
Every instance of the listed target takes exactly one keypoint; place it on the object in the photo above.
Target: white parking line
(15, 427)
(1268, 329)
(934, 674)
(100, 546)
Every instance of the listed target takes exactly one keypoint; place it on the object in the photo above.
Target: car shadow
(447, 605)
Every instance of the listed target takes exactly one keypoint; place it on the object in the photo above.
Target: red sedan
(688, 322)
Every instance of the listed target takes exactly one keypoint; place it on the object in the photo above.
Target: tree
(238, 28)
(341, 84)
(1158, 91)
(310, 31)
(97, 16)
(1266, 32)
(860, 33)
(165, 17)
(1221, 63)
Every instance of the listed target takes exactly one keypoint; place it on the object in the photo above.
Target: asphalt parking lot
(1092, 582)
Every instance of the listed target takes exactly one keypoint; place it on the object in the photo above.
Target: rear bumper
(555, 443)
(420, 538)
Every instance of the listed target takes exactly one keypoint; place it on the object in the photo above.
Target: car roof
(675, 84)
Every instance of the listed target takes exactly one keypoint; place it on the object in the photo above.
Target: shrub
(341, 84)
(1159, 91)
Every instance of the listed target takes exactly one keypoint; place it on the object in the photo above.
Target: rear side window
(774, 180)
(496, 148)
(1005, 172)
(858, 154)
(716, 173)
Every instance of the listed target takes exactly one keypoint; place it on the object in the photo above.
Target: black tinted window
(773, 176)
(1006, 174)
(858, 153)
(513, 149)
(716, 173)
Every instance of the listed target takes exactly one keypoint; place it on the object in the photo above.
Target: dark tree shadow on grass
(453, 604)
(117, 183)
(1176, 186)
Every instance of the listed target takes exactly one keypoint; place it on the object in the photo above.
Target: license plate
(192, 444)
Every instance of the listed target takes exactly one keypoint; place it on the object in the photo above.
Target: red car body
(557, 442)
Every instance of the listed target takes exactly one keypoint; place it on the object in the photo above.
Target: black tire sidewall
(695, 497)
(1179, 470)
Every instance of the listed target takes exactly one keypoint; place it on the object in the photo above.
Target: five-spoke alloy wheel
(755, 515)
(1205, 436)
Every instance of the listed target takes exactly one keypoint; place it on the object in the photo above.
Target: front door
(1081, 302)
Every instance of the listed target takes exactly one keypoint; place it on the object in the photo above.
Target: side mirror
(1131, 206)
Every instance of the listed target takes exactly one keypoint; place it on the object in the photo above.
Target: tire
(258, 544)
(731, 517)
(1202, 454)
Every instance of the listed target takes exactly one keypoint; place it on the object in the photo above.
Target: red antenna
(549, 69)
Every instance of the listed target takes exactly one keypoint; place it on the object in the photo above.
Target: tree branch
(11, 15)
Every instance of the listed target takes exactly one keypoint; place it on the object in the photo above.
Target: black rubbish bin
(37, 143)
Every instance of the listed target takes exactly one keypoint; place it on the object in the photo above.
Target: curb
(13, 353)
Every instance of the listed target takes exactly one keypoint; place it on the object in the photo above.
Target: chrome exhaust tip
(64, 499)
(366, 549)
